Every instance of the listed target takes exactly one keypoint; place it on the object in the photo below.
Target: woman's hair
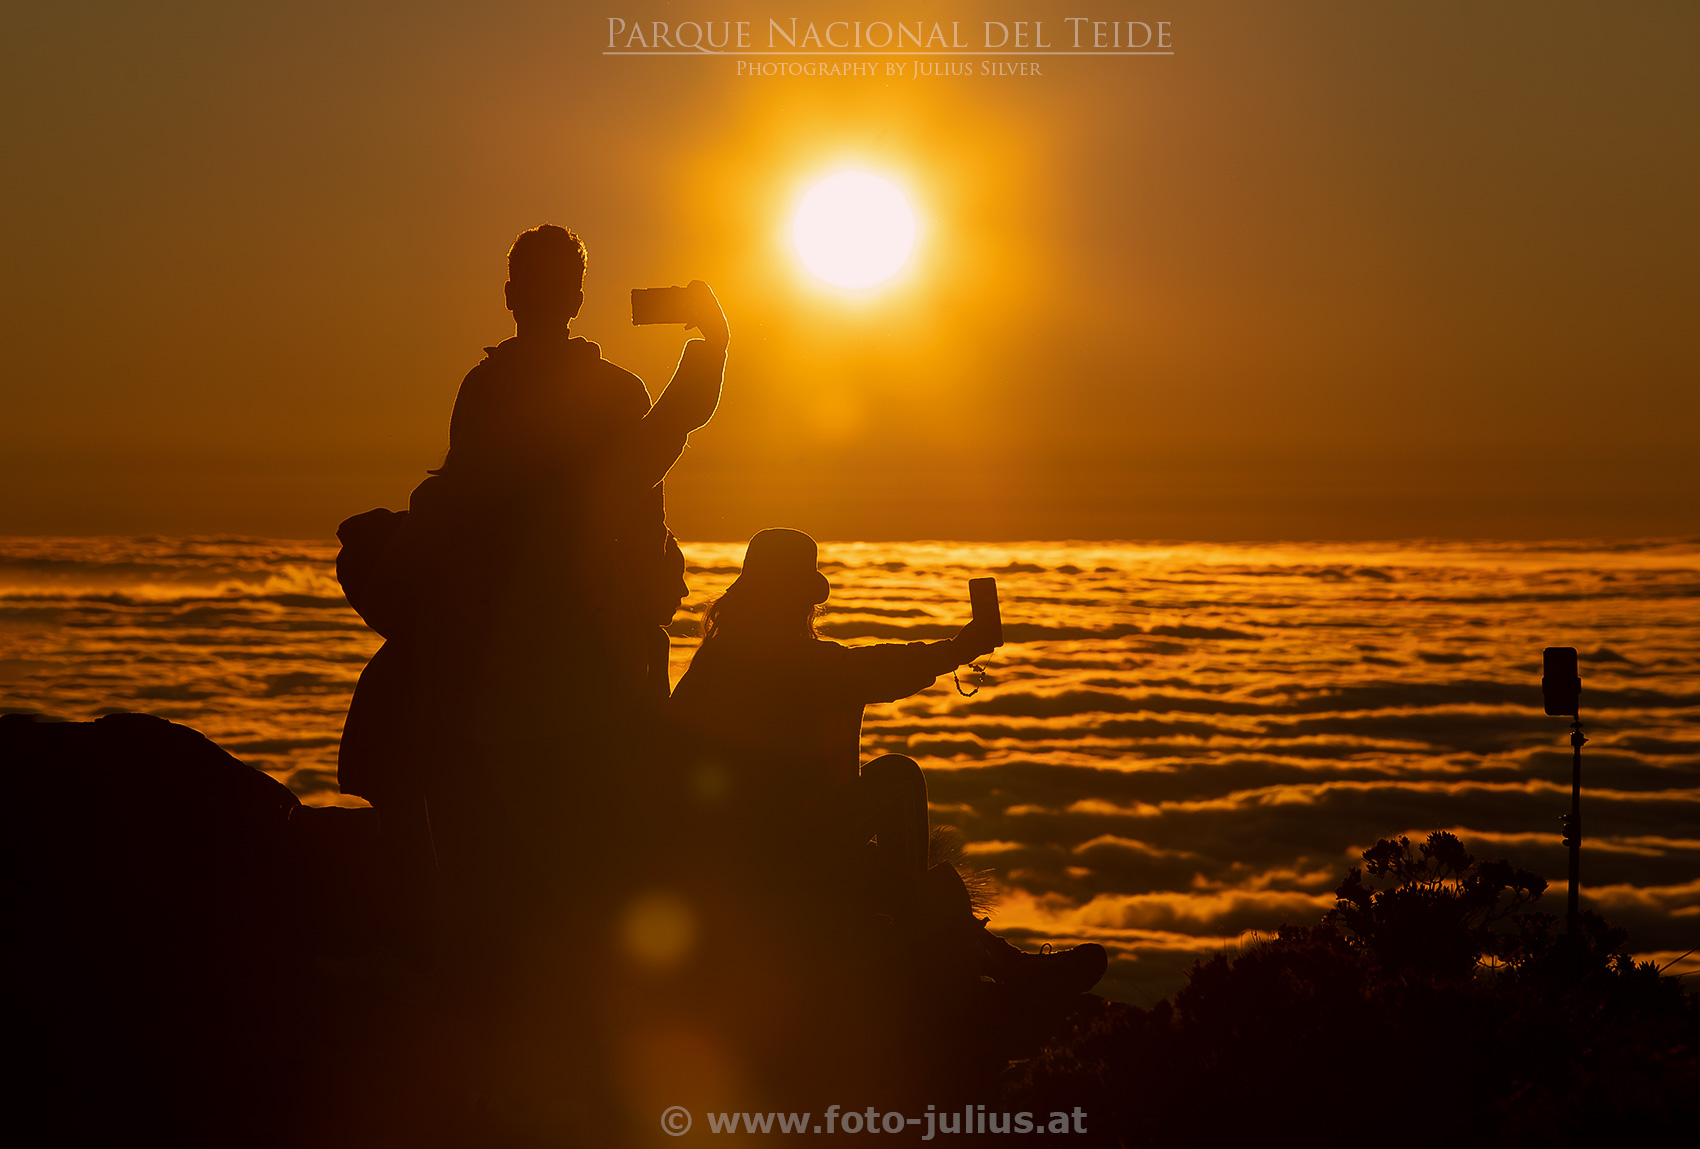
(740, 611)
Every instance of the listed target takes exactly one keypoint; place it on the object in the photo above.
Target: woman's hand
(976, 640)
(710, 319)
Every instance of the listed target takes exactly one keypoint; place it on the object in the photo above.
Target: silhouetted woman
(775, 712)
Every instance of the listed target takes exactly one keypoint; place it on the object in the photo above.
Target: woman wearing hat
(776, 711)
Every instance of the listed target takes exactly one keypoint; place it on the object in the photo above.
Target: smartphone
(663, 305)
(983, 597)
(1561, 686)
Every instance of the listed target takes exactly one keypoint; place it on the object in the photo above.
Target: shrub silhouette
(1433, 910)
(1431, 1001)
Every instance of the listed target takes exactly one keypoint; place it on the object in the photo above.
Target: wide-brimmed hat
(781, 561)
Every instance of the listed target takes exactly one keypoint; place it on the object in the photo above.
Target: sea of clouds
(1179, 746)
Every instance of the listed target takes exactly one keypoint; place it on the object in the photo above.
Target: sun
(854, 230)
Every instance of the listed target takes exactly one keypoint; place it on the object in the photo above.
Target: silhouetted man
(532, 577)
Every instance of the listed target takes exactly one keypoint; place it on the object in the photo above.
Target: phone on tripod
(1561, 686)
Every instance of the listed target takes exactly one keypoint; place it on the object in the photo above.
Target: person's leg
(408, 864)
(962, 942)
(658, 649)
(891, 804)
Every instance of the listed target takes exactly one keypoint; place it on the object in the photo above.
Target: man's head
(545, 287)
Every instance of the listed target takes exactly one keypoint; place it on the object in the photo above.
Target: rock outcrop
(173, 913)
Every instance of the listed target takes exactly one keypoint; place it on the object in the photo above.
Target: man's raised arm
(650, 450)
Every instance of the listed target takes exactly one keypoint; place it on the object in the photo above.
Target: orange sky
(1331, 270)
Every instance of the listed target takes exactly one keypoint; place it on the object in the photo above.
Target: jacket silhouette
(523, 592)
(781, 708)
(779, 711)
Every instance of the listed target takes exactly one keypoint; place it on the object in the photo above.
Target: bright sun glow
(854, 230)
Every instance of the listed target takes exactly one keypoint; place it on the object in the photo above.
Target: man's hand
(690, 399)
(709, 319)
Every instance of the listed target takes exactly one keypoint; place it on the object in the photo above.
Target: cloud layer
(1177, 747)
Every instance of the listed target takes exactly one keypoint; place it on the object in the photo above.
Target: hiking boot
(1063, 973)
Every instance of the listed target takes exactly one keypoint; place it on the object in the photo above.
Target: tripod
(1561, 688)
(1573, 820)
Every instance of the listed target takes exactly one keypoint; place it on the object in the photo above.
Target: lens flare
(854, 230)
(658, 930)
